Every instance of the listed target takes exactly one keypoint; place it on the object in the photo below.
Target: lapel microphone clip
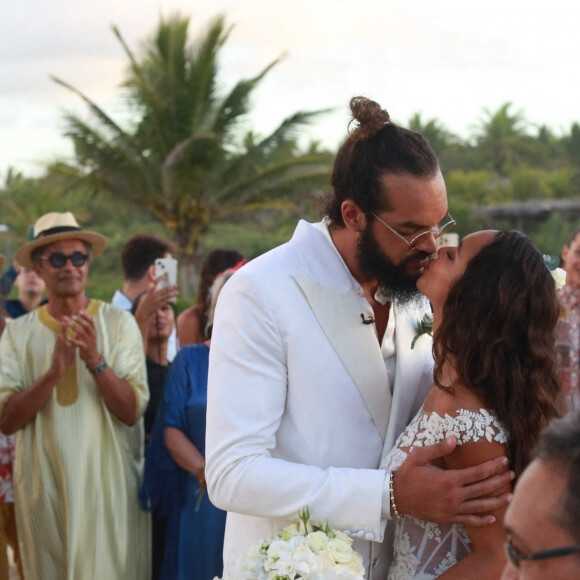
(369, 320)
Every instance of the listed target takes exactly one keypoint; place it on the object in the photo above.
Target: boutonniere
(425, 327)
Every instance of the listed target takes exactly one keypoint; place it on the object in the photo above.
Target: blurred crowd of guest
(103, 413)
(568, 329)
(103, 409)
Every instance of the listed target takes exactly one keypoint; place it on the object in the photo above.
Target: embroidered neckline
(67, 390)
(48, 320)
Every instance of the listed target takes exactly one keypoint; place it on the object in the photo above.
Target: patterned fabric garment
(568, 346)
(424, 550)
(6, 461)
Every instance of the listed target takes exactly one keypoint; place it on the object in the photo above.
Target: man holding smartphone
(138, 258)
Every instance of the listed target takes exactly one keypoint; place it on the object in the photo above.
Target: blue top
(194, 536)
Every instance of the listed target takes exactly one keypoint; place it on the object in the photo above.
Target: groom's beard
(394, 280)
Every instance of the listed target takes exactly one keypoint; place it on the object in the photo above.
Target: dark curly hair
(498, 332)
(376, 146)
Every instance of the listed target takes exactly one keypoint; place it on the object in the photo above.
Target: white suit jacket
(298, 397)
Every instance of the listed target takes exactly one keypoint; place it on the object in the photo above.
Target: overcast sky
(448, 60)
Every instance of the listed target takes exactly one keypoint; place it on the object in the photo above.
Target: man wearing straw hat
(73, 388)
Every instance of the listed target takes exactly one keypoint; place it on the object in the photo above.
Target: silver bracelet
(394, 509)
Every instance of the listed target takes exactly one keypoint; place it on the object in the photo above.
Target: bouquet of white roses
(303, 550)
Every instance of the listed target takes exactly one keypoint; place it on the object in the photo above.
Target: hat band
(57, 230)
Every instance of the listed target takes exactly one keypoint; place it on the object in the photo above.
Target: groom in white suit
(311, 368)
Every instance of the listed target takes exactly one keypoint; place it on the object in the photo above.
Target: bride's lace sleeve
(428, 428)
(465, 425)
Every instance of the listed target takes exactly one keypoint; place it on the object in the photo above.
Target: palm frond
(236, 102)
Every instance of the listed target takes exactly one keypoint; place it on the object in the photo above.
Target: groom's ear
(353, 216)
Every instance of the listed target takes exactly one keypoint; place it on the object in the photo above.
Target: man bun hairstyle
(375, 146)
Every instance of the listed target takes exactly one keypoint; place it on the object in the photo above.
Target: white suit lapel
(355, 343)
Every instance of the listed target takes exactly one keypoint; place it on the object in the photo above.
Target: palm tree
(23, 200)
(185, 159)
(438, 136)
(501, 137)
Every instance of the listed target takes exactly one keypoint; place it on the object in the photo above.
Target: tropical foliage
(185, 158)
(187, 165)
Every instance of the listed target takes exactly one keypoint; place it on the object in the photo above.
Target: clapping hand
(82, 334)
(63, 354)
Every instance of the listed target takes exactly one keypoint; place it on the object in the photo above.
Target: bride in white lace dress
(495, 310)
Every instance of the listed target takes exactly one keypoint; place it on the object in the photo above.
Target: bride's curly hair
(498, 332)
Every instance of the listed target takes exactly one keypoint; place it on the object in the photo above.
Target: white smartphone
(166, 266)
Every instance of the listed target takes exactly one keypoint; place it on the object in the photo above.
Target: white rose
(327, 559)
(559, 276)
(356, 564)
(342, 536)
(317, 541)
(289, 532)
(341, 551)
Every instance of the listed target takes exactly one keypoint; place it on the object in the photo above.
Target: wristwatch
(99, 368)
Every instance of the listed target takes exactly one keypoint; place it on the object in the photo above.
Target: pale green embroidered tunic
(78, 467)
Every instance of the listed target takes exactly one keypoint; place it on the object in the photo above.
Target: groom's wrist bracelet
(394, 509)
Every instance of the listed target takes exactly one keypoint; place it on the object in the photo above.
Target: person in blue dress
(174, 481)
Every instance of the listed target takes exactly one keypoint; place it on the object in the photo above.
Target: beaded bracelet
(395, 511)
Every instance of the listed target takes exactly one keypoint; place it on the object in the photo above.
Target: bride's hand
(464, 496)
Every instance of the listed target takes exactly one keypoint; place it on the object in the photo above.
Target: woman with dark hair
(174, 481)
(192, 322)
(495, 387)
(155, 316)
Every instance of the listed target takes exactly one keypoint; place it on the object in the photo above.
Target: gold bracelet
(394, 509)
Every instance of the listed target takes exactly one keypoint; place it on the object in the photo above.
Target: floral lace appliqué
(424, 550)
(429, 428)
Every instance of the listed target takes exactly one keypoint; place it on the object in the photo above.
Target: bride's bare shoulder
(448, 401)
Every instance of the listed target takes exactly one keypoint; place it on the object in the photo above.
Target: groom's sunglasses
(58, 259)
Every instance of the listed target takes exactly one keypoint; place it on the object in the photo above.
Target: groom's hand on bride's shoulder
(464, 496)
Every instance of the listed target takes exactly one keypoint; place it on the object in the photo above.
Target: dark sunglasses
(515, 557)
(58, 259)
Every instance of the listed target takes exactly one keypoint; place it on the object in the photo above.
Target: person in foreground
(174, 484)
(495, 387)
(543, 520)
(73, 387)
(311, 367)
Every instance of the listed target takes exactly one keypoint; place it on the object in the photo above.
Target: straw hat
(52, 227)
